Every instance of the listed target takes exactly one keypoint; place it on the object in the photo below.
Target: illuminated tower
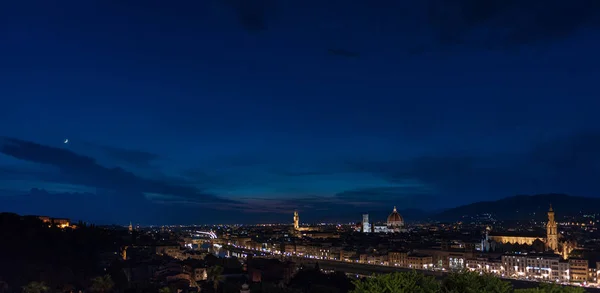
(296, 220)
(130, 227)
(551, 231)
(124, 252)
(366, 227)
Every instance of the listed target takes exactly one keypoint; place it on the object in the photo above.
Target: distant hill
(524, 207)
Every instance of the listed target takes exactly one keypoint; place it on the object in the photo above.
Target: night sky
(240, 111)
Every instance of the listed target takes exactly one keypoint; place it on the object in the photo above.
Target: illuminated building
(551, 232)
(296, 221)
(541, 266)
(366, 227)
(395, 223)
(397, 258)
(550, 241)
(485, 265)
(395, 220)
(579, 270)
(296, 229)
(58, 222)
(419, 261)
(410, 260)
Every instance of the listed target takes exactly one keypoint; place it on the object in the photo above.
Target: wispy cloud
(564, 164)
(252, 14)
(509, 23)
(81, 170)
(136, 158)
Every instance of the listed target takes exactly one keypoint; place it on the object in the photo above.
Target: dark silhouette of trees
(62, 259)
(551, 288)
(403, 282)
(313, 280)
(3, 287)
(211, 260)
(35, 287)
(470, 282)
(102, 284)
(214, 275)
(462, 282)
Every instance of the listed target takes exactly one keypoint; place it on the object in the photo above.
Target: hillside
(524, 207)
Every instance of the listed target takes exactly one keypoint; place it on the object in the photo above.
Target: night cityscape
(262, 146)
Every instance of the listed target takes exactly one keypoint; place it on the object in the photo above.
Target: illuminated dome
(395, 219)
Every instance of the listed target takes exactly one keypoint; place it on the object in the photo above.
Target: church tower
(296, 221)
(551, 231)
(130, 227)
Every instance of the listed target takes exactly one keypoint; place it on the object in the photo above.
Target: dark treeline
(62, 259)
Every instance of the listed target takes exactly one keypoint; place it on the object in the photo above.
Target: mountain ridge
(521, 207)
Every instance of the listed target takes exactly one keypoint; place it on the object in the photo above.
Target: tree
(211, 260)
(3, 287)
(102, 284)
(403, 282)
(214, 275)
(271, 288)
(35, 287)
(164, 290)
(471, 282)
(313, 280)
(552, 288)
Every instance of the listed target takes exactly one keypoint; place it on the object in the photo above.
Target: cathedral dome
(395, 219)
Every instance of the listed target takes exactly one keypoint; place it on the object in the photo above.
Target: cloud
(409, 196)
(136, 158)
(252, 14)
(564, 165)
(343, 53)
(82, 170)
(349, 204)
(106, 207)
(289, 173)
(509, 23)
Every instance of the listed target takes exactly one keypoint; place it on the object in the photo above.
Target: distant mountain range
(524, 207)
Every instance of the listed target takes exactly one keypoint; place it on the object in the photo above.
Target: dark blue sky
(242, 111)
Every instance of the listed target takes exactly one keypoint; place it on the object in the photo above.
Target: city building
(297, 229)
(578, 270)
(486, 265)
(542, 266)
(58, 222)
(394, 223)
(366, 227)
(395, 220)
(551, 241)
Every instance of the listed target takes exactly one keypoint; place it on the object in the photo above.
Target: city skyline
(163, 116)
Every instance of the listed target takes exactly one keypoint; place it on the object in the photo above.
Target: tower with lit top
(296, 220)
(551, 231)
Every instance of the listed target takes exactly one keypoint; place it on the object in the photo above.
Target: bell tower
(296, 221)
(551, 231)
